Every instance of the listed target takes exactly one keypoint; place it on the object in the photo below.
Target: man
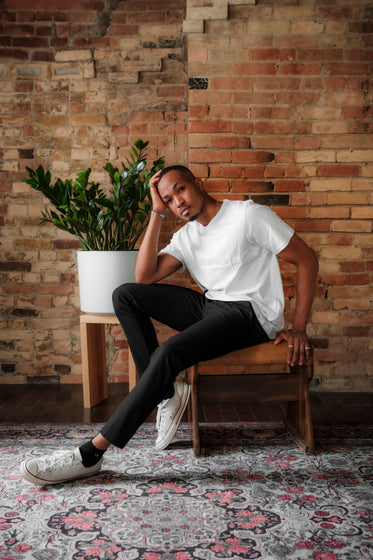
(230, 249)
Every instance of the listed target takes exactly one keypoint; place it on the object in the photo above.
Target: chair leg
(298, 421)
(193, 376)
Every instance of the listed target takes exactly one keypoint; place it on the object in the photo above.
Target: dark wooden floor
(64, 404)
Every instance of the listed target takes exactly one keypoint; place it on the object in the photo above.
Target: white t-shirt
(233, 258)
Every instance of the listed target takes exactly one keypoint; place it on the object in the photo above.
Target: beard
(194, 218)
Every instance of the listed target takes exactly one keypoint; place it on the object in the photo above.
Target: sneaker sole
(29, 477)
(175, 424)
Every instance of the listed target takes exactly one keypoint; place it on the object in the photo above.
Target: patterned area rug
(254, 496)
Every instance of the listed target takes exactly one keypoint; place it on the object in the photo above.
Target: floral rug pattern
(254, 495)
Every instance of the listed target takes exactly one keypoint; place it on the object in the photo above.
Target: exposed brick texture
(270, 101)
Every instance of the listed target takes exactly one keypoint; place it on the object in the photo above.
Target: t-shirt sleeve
(266, 229)
(174, 249)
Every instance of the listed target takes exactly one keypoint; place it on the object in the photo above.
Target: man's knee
(172, 353)
(123, 294)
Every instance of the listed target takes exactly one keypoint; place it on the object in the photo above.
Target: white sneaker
(57, 467)
(169, 414)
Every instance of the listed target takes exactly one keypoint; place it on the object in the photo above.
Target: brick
(242, 142)
(254, 68)
(275, 142)
(325, 317)
(276, 83)
(230, 171)
(245, 186)
(231, 83)
(253, 98)
(210, 156)
(209, 69)
(330, 185)
(335, 212)
(295, 40)
(73, 55)
(341, 253)
(209, 126)
(333, 280)
(353, 266)
(356, 331)
(237, 113)
(289, 185)
(244, 127)
(268, 27)
(199, 141)
(216, 185)
(288, 212)
(340, 239)
(334, 141)
(313, 225)
(312, 55)
(274, 171)
(357, 54)
(358, 226)
(171, 91)
(343, 98)
(14, 266)
(360, 184)
(347, 68)
(293, 98)
(354, 155)
(357, 279)
(348, 198)
(310, 156)
(362, 212)
(253, 156)
(299, 69)
(254, 171)
(30, 42)
(326, 170)
(333, 127)
(273, 54)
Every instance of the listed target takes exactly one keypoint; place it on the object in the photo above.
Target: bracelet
(158, 213)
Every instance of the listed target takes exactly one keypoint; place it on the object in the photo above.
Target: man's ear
(199, 183)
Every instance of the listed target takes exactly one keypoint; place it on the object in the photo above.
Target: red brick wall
(286, 119)
(270, 101)
(79, 83)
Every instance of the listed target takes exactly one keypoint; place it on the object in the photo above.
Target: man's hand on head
(158, 204)
(299, 350)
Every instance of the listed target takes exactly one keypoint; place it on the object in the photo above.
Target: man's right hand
(158, 204)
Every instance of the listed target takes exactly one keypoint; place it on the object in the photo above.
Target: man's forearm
(305, 291)
(147, 259)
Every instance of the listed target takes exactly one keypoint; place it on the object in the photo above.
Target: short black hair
(184, 171)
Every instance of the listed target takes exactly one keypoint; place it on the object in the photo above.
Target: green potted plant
(107, 223)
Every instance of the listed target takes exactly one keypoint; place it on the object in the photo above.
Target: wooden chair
(291, 384)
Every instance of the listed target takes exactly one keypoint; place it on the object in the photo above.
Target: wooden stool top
(105, 319)
(261, 354)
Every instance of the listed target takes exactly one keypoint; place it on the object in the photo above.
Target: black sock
(90, 454)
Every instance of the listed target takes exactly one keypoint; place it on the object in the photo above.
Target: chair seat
(269, 378)
(265, 353)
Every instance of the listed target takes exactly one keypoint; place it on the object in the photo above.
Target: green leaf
(100, 219)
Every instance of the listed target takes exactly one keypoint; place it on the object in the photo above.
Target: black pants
(207, 329)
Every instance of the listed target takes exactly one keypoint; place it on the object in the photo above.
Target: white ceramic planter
(100, 272)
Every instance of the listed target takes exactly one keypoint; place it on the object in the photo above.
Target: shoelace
(55, 462)
(160, 412)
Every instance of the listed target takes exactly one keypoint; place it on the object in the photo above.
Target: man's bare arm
(152, 266)
(300, 254)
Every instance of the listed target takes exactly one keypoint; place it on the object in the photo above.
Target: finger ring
(290, 346)
(307, 347)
